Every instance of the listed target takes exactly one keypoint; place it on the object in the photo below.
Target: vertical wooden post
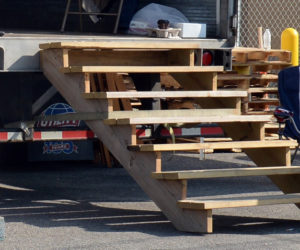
(133, 135)
(158, 162)
(87, 83)
(65, 58)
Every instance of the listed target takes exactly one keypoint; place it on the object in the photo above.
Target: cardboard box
(192, 30)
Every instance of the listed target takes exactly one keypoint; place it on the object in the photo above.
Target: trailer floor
(83, 206)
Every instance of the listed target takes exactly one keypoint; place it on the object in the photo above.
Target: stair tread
(134, 43)
(240, 201)
(190, 119)
(262, 90)
(228, 77)
(262, 63)
(215, 145)
(141, 69)
(164, 94)
(221, 173)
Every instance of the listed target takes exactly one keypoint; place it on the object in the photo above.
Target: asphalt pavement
(85, 206)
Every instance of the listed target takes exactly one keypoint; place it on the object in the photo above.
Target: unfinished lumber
(215, 145)
(263, 90)
(254, 54)
(93, 116)
(240, 202)
(191, 119)
(223, 173)
(263, 63)
(233, 77)
(164, 94)
(125, 44)
(141, 69)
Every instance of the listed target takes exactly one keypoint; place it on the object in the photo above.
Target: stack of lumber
(257, 71)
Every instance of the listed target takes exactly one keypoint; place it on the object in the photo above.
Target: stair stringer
(262, 157)
(139, 165)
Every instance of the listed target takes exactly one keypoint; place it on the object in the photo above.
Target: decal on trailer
(56, 109)
(59, 147)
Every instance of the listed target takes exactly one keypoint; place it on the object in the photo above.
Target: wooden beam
(165, 94)
(141, 69)
(181, 57)
(193, 119)
(111, 85)
(263, 90)
(240, 202)
(87, 83)
(216, 145)
(121, 87)
(65, 58)
(158, 162)
(118, 58)
(125, 44)
(133, 135)
(223, 173)
(193, 81)
(93, 116)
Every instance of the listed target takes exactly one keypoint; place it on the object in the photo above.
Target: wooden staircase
(69, 66)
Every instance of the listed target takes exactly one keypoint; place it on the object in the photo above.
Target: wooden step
(273, 101)
(191, 119)
(164, 94)
(116, 115)
(251, 54)
(265, 77)
(228, 172)
(233, 77)
(262, 63)
(237, 77)
(263, 90)
(240, 202)
(134, 43)
(216, 145)
(141, 69)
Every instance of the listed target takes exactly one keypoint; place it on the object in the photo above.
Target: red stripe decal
(81, 134)
(3, 136)
(37, 135)
(212, 131)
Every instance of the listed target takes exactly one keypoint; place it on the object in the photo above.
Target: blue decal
(58, 147)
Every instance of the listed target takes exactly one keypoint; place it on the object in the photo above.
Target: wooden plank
(87, 83)
(233, 77)
(146, 43)
(121, 87)
(111, 85)
(141, 69)
(240, 202)
(165, 94)
(265, 101)
(93, 83)
(79, 57)
(181, 57)
(191, 119)
(265, 77)
(215, 145)
(263, 90)
(264, 63)
(248, 54)
(66, 58)
(93, 116)
(223, 173)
